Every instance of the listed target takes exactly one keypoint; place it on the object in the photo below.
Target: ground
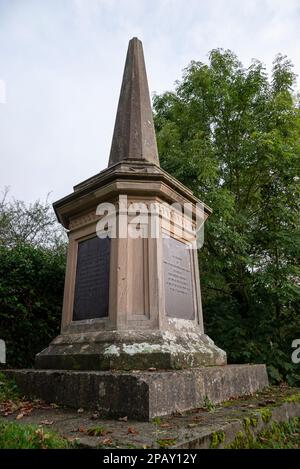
(269, 419)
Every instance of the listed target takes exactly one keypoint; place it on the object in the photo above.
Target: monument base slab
(141, 395)
(130, 350)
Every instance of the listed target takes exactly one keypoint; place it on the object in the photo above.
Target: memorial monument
(132, 340)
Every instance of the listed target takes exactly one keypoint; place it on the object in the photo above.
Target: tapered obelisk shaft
(134, 134)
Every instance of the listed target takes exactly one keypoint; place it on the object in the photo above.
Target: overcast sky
(61, 65)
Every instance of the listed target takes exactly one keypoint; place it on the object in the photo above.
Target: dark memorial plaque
(179, 296)
(92, 279)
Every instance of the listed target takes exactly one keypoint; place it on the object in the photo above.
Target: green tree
(31, 293)
(32, 266)
(232, 135)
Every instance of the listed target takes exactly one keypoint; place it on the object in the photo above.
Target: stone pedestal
(132, 299)
(130, 350)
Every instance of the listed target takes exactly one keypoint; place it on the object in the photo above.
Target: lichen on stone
(112, 350)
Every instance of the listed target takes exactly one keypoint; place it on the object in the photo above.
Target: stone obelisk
(131, 302)
(132, 340)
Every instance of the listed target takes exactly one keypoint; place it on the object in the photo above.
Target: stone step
(141, 395)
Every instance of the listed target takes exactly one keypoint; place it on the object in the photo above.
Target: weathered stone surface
(141, 395)
(191, 430)
(130, 350)
(94, 190)
(134, 134)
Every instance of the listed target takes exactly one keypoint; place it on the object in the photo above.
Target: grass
(16, 436)
(99, 430)
(20, 436)
(8, 389)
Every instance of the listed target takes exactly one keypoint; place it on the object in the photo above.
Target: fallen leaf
(81, 429)
(37, 401)
(72, 439)
(106, 441)
(192, 425)
(19, 416)
(178, 414)
(123, 419)
(132, 430)
(26, 408)
(166, 425)
(47, 422)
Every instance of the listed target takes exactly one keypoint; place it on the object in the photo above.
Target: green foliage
(99, 430)
(293, 398)
(157, 420)
(217, 438)
(266, 414)
(166, 442)
(208, 404)
(16, 436)
(8, 389)
(31, 292)
(232, 135)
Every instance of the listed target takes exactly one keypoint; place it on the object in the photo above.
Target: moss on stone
(247, 422)
(266, 414)
(216, 439)
(166, 442)
(250, 422)
(241, 441)
(228, 403)
(278, 435)
(293, 398)
(254, 421)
